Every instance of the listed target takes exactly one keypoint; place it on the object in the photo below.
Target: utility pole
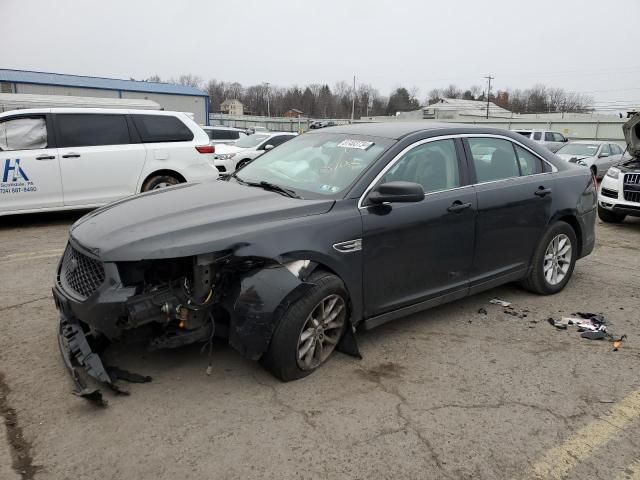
(489, 78)
(268, 108)
(353, 98)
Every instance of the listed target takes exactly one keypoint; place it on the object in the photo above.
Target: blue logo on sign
(16, 171)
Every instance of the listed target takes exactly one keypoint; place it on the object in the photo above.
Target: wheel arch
(574, 224)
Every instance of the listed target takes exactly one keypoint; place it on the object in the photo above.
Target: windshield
(324, 164)
(251, 141)
(582, 149)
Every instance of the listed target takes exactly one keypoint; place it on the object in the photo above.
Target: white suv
(619, 194)
(73, 158)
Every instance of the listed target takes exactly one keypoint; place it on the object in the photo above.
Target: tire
(160, 181)
(537, 280)
(242, 163)
(608, 216)
(293, 335)
(594, 171)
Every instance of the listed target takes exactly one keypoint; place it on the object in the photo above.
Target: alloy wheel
(321, 332)
(557, 259)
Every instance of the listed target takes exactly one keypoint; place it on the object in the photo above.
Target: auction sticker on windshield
(359, 144)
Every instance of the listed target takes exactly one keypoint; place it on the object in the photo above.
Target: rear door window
(161, 128)
(494, 159)
(24, 133)
(89, 129)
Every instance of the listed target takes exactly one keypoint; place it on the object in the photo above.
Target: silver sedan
(599, 156)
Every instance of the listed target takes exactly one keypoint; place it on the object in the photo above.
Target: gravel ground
(447, 393)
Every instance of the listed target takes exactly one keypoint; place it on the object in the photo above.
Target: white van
(75, 158)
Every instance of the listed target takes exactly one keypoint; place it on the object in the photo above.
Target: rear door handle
(71, 155)
(458, 206)
(45, 157)
(541, 192)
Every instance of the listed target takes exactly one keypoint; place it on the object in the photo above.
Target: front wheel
(553, 261)
(242, 163)
(309, 330)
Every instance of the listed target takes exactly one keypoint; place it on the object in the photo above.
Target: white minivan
(74, 158)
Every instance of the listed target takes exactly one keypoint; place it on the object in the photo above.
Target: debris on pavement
(502, 303)
(482, 311)
(592, 326)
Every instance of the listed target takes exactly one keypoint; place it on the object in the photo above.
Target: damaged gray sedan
(344, 228)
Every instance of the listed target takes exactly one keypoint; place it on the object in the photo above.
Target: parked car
(550, 139)
(619, 194)
(321, 124)
(77, 158)
(228, 158)
(290, 254)
(596, 155)
(220, 135)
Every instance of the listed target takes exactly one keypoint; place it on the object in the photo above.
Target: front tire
(160, 181)
(553, 261)
(608, 216)
(309, 330)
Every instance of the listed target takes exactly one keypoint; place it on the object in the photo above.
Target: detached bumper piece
(76, 353)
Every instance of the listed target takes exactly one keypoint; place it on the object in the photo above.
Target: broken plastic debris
(483, 311)
(502, 303)
(618, 343)
(594, 335)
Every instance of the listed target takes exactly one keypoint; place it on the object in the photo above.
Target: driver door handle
(541, 192)
(45, 157)
(71, 155)
(458, 206)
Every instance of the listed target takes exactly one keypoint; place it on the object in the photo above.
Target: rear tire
(160, 181)
(553, 262)
(608, 216)
(309, 330)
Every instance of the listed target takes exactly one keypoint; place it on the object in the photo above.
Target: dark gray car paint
(250, 222)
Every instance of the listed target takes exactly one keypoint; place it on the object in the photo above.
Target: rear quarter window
(161, 128)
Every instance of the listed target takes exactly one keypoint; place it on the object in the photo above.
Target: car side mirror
(603, 154)
(400, 192)
(268, 146)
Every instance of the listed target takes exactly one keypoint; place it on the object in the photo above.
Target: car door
(602, 159)
(616, 155)
(29, 164)
(514, 207)
(416, 252)
(100, 159)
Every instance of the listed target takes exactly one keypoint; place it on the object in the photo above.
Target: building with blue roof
(181, 98)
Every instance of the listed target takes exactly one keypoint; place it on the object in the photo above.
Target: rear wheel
(608, 216)
(160, 181)
(594, 171)
(553, 261)
(309, 330)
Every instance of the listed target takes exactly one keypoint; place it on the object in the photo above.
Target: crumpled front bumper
(79, 357)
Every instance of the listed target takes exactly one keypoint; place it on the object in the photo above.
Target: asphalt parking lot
(448, 393)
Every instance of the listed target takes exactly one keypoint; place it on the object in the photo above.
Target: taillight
(206, 149)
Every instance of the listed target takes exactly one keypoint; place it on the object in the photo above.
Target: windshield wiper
(267, 186)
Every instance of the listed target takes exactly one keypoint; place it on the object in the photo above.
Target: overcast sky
(580, 45)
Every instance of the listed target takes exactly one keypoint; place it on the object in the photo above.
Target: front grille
(609, 193)
(80, 273)
(630, 196)
(632, 178)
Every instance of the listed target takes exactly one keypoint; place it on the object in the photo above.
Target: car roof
(89, 110)
(397, 130)
(598, 142)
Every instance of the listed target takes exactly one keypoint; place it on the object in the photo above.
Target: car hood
(188, 219)
(631, 131)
